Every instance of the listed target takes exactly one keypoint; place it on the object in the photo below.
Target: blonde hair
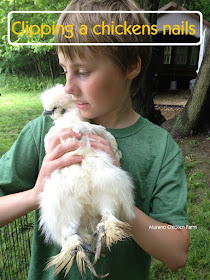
(122, 56)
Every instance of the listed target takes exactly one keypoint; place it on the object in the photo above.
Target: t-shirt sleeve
(19, 166)
(168, 203)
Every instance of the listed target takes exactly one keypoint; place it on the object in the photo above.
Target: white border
(105, 44)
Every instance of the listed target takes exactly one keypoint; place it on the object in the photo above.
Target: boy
(102, 80)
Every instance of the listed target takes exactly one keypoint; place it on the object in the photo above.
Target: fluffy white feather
(84, 200)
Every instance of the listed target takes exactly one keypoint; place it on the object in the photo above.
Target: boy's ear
(134, 69)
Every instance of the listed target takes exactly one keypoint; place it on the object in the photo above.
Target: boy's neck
(117, 120)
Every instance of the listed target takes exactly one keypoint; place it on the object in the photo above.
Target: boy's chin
(90, 116)
(86, 115)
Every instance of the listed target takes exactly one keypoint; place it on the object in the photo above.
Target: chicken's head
(56, 102)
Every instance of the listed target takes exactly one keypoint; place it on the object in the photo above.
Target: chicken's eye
(61, 110)
(55, 108)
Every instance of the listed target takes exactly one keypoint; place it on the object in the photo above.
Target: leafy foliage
(192, 5)
(36, 61)
(41, 61)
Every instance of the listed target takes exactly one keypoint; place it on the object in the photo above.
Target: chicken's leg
(110, 230)
(73, 248)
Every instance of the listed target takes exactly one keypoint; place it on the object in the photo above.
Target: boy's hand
(104, 145)
(54, 160)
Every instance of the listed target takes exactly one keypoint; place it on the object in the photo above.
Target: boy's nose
(70, 86)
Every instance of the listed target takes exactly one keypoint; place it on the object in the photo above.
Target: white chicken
(85, 205)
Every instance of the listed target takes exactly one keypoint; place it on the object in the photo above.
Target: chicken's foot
(110, 230)
(74, 248)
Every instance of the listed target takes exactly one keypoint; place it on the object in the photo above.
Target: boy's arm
(16, 205)
(170, 246)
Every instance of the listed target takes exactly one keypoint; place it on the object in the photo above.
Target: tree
(36, 61)
(143, 102)
(152, 5)
(195, 116)
(193, 5)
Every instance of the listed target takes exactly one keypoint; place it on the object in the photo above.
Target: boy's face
(98, 87)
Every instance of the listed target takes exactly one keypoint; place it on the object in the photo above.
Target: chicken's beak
(45, 113)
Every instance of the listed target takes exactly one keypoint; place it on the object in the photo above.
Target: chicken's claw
(83, 260)
(74, 248)
(110, 230)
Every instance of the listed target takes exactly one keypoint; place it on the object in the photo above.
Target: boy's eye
(83, 73)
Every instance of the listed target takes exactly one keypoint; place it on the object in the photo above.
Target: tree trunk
(143, 102)
(50, 68)
(38, 64)
(152, 5)
(195, 116)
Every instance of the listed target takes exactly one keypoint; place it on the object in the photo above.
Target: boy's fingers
(66, 161)
(49, 166)
(100, 143)
(98, 138)
(104, 145)
(101, 146)
(64, 134)
(62, 149)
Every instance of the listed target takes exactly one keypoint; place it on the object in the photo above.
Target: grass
(198, 208)
(17, 108)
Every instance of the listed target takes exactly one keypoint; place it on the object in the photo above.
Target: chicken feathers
(83, 206)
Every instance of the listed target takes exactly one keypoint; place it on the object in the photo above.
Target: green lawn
(198, 265)
(17, 108)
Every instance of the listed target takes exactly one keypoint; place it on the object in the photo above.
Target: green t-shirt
(154, 161)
